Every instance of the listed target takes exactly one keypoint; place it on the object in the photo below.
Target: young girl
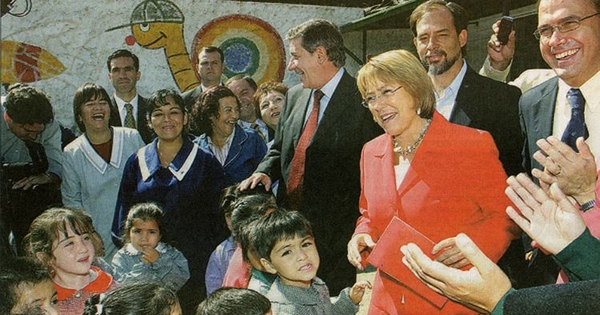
(66, 242)
(144, 257)
(144, 298)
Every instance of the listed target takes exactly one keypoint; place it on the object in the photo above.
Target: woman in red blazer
(440, 178)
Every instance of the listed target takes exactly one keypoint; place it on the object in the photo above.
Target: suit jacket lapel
(543, 110)
(459, 114)
(338, 104)
(296, 123)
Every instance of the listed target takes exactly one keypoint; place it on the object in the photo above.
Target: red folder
(386, 256)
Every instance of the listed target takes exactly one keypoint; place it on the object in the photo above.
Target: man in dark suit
(128, 108)
(569, 43)
(463, 96)
(467, 98)
(320, 177)
(211, 63)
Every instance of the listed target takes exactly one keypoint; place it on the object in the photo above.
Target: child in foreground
(144, 257)
(26, 288)
(142, 298)
(235, 301)
(286, 246)
(65, 241)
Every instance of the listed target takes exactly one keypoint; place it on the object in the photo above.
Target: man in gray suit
(319, 175)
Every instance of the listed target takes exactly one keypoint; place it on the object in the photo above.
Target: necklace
(408, 150)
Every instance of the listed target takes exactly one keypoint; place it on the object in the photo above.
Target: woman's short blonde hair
(401, 67)
(48, 226)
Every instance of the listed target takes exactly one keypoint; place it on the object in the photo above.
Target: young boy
(26, 288)
(243, 270)
(286, 246)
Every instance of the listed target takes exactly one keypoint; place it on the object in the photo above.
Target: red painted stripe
(26, 63)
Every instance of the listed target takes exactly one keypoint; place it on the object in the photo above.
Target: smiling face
(168, 121)
(244, 93)
(575, 55)
(210, 68)
(394, 112)
(95, 114)
(295, 261)
(437, 43)
(144, 234)
(73, 254)
(38, 298)
(306, 64)
(123, 75)
(270, 107)
(229, 114)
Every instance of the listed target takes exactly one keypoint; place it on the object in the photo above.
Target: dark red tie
(296, 178)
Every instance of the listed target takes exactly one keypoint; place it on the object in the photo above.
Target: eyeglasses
(370, 100)
(546, 32)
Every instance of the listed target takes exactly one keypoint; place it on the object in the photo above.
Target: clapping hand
(552, 221)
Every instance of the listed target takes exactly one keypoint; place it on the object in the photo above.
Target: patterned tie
(129, 120)
(256, 127)
(576, 127)
(296, 178)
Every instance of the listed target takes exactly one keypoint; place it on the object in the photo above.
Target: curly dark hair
(207, 105)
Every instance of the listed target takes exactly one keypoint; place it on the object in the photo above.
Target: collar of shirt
(261, 126)
(562, 112)
(328, 89)
(99, 284)
(203, 87)
(123, 111)
(445, 102)
(149, 161)
(221, 153)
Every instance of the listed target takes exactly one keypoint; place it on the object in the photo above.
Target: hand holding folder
(387, 258)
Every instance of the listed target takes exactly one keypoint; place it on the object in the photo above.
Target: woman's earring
(418, 111)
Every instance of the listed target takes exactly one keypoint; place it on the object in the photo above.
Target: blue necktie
(576, 127)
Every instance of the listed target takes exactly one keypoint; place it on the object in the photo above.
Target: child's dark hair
(232, 193)
(277, 226)
(15, 274)
(234, 301)
(139, 298)
(249, 208)
(245, 211)
(145, 212)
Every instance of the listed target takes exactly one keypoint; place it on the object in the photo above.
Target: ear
(138, 75)
(462, 38)
(7, 118)
(415, 43)
(321, 54)
(185, 119)
(268, 266)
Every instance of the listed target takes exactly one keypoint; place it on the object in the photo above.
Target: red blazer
(455, 184)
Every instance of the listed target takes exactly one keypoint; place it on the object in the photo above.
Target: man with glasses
(30, 152)
(560, 107)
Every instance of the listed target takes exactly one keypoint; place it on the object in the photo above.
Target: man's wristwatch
(589, 205)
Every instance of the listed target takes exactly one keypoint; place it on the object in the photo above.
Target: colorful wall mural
(59, 45)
